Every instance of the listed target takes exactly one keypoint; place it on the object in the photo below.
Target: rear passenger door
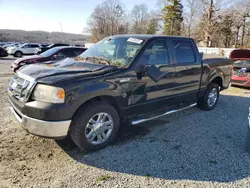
(187, 70)
(33, 48)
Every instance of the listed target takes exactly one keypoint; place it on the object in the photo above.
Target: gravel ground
(192, 148)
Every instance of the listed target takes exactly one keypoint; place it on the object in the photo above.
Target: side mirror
(140, 69)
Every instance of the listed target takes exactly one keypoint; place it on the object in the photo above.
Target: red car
(53, 54)
(241, 69)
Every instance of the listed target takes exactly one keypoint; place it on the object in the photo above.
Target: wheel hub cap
(99, 128)
(212, 97)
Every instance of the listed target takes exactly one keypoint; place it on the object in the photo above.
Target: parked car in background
(91, 96)
(43, 49)
(3, 52)
(57, 53)
(2, 44)
(241, 68)
(24, 49)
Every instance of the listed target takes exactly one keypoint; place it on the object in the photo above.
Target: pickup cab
(121, 80)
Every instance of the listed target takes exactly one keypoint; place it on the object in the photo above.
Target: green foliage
(152, 27)
(103, 178)
(172, 16)
(225, 30)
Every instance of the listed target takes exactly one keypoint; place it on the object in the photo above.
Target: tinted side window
(78, 52)
(33, 46)
(156, 53)
(183, 52)
(65, 53)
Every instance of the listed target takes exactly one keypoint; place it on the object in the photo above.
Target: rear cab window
(184, 52)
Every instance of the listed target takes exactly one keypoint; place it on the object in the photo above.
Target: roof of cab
(68, 47)
(146, 36)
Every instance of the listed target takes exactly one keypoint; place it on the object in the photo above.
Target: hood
(64, 70)
(240, 54)
(29, 58)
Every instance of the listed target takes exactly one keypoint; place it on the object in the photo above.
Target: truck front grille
(20, 87)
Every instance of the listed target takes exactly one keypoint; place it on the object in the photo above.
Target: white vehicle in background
(25, 49)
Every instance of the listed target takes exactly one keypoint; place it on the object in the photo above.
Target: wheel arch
(217, 80)
(18, 51)
(111, 100)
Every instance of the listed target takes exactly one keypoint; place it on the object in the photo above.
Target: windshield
(49, 52)
(243, 63)
(113, 51)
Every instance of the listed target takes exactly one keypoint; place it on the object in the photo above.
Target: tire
(207, 102)
(18, 54)
(82, 125)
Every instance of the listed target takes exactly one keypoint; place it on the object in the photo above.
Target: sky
(47, 15)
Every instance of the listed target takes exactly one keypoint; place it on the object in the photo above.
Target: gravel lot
(192, 148)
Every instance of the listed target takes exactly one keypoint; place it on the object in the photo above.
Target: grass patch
(103, 178)
(148, 175)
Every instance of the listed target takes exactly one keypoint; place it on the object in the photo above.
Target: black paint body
(131, 96)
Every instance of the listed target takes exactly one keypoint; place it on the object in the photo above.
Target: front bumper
(241, 81)
(48, 129)
(10, 52)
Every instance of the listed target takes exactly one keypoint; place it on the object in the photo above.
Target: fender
(217, 72)
(95, 90)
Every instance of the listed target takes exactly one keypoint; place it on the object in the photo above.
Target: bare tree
(192, 7)
(140, 19)
(240, 11)
(243, 11)
(106, 19)
(211, 11)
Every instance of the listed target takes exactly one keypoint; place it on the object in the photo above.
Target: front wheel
(94, 126)
(210, 99)
(18, 54)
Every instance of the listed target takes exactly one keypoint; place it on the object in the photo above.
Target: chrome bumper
(49, 129)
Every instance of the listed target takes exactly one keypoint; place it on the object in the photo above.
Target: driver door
(156, 95)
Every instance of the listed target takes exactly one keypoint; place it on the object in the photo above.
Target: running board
(135, 122)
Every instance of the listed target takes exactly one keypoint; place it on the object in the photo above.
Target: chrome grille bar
(21, 86)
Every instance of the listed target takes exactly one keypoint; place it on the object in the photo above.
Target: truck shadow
(193, 145)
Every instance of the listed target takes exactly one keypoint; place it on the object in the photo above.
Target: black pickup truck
(121, 80)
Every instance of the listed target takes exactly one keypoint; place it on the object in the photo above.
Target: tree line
(7, 35)
(212, 23)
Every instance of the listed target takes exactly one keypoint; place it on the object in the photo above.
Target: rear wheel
(18, 54)
(210, 99)
(94, 126)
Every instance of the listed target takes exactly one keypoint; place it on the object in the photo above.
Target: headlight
(48, 94)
